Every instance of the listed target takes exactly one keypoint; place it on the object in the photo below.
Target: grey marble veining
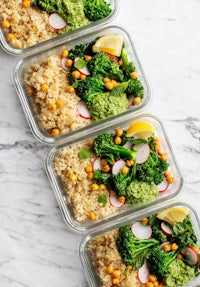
(36, 248)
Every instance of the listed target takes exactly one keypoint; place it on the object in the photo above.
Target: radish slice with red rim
(117, 166)
(57, 22)
(191, 256)
(143, 273)
(83, 110)
(114, 201)
(97, 164)
(141, 231)
(163, 186)
(84, 70)
(166, 229)
(143, 152)
(63, 63)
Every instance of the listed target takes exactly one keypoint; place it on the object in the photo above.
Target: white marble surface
(36, 248)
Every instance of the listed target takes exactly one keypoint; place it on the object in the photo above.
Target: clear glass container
(114, 5)
(89, 264)
(30, 108)
(61, 193)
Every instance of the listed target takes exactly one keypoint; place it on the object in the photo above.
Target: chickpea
(44, 88)
(26, 3)
(196, 249)
(109, 269)
(144, 220)
(149, 284)
(90, 143)
(112, 192)
(114, 83)
(94, 186)
(5, 24)
(167, 173)
(161, 285)
(129, 267)
(106, 80)
(179, 256)
(121, 199)
(156, 284)
(174, 246)
(70, 89)
(83, 77)
(133, 75)
(30, 90)
(53, 107)
(103, 162)
(64, 53)
(92, 216)
(102, 186)
(76, 74)
(137, 101)
(109, 86)
(11, 37)
(72, 177)
(152, 278)
(106, 168)
(161, 152)
(115, 281)
(129, 162)
(120, 62)
(124, 169)
(60, 103)
(156, 139)
(157, 146)
(117, 140)
(163, 157)
(170, 179)
(116, 273)
(69, 63)
(55, 132)
(167, 247)
(90, 175)
(88, 58)
(118, 132)
(89, 168)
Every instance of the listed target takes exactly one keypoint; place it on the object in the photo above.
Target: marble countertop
(36, 248)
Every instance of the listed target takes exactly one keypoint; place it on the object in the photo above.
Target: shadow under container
(87, 259)
(61, 193)
(7, 47)
(30, 109)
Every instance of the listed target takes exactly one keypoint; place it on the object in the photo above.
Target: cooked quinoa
(78, 192)
(28, 25)
(107, 255)
(57, 108)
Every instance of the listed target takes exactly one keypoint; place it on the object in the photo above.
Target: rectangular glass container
(85, 252)
(61, 193)
(114, 5)
(30, 108)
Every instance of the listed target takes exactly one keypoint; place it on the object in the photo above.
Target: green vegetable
(135, 88)
(105, 105)
(133, 251)
(157, 233)
(47, 5)
(120, 182)
(159, 261)
(127, 66)
(80, 64)
(96, 9)
(120, 89)
(140, 191)
(102, 177)
(104, 146)
(80, 50)
(84, 153)
(179, 274)
(102, 199)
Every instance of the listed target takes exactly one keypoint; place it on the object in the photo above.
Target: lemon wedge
(141, 130)
(111, 43)
(173, 214)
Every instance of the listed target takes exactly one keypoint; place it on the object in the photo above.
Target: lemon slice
(141, 130)
(111, 43)
(173, 214)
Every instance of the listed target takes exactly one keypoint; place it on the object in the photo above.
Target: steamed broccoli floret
(135, 88)
(102, 177)
(133, 250)
(96, 9)
(49, 6)
(104, 146)
(159, 261)
(80, 50)
(120, 182)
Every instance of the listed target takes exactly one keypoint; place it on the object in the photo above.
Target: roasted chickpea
(44, 88)
(72, 177)
(170, 179)
(149, 284)
(179, 256)
(166, 247)
(116, 273)
(118, 132)
(5, 24)
(117, 140)
(90, 143)
(102, 186)
(152, 278)
(83, 77)
(89, 168)
(64, 53)
(90, 175)
(60, 103)
(137, 101)
(115, 281)
(133, 75)
(163, 157)
(129, 162)
(70, 89)
(10, 37)
(76, 74)
(106, 80)
(52, 107)
(94, 186)
(88, 58)
(26, 3)
(92, 216)
(30, 90)
(109, 86)
(109, 269)
(55, 132)
(106, 168)
(124, 169)
(121, 199)
(69, 63)
(144, 220)
(174, 246)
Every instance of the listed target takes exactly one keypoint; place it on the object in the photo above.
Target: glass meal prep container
(105, 262)
(85, 204)
(40, 29)
(70, 117)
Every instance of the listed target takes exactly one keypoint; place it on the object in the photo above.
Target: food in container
(113, 172)
(74, 86)
(159, 248)
(44, 20)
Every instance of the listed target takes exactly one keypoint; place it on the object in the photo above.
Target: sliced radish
(143, 273)
(143, 152)
(117, 166)
(191, 256)
(83, 110)
(128, 145)
(63, 63)
(166, 242)
(114, 201)
(57, 22)
(97, 164)
(130, 102)
(163, 186)
(166, 229)
(84, 70)
(141, 231)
